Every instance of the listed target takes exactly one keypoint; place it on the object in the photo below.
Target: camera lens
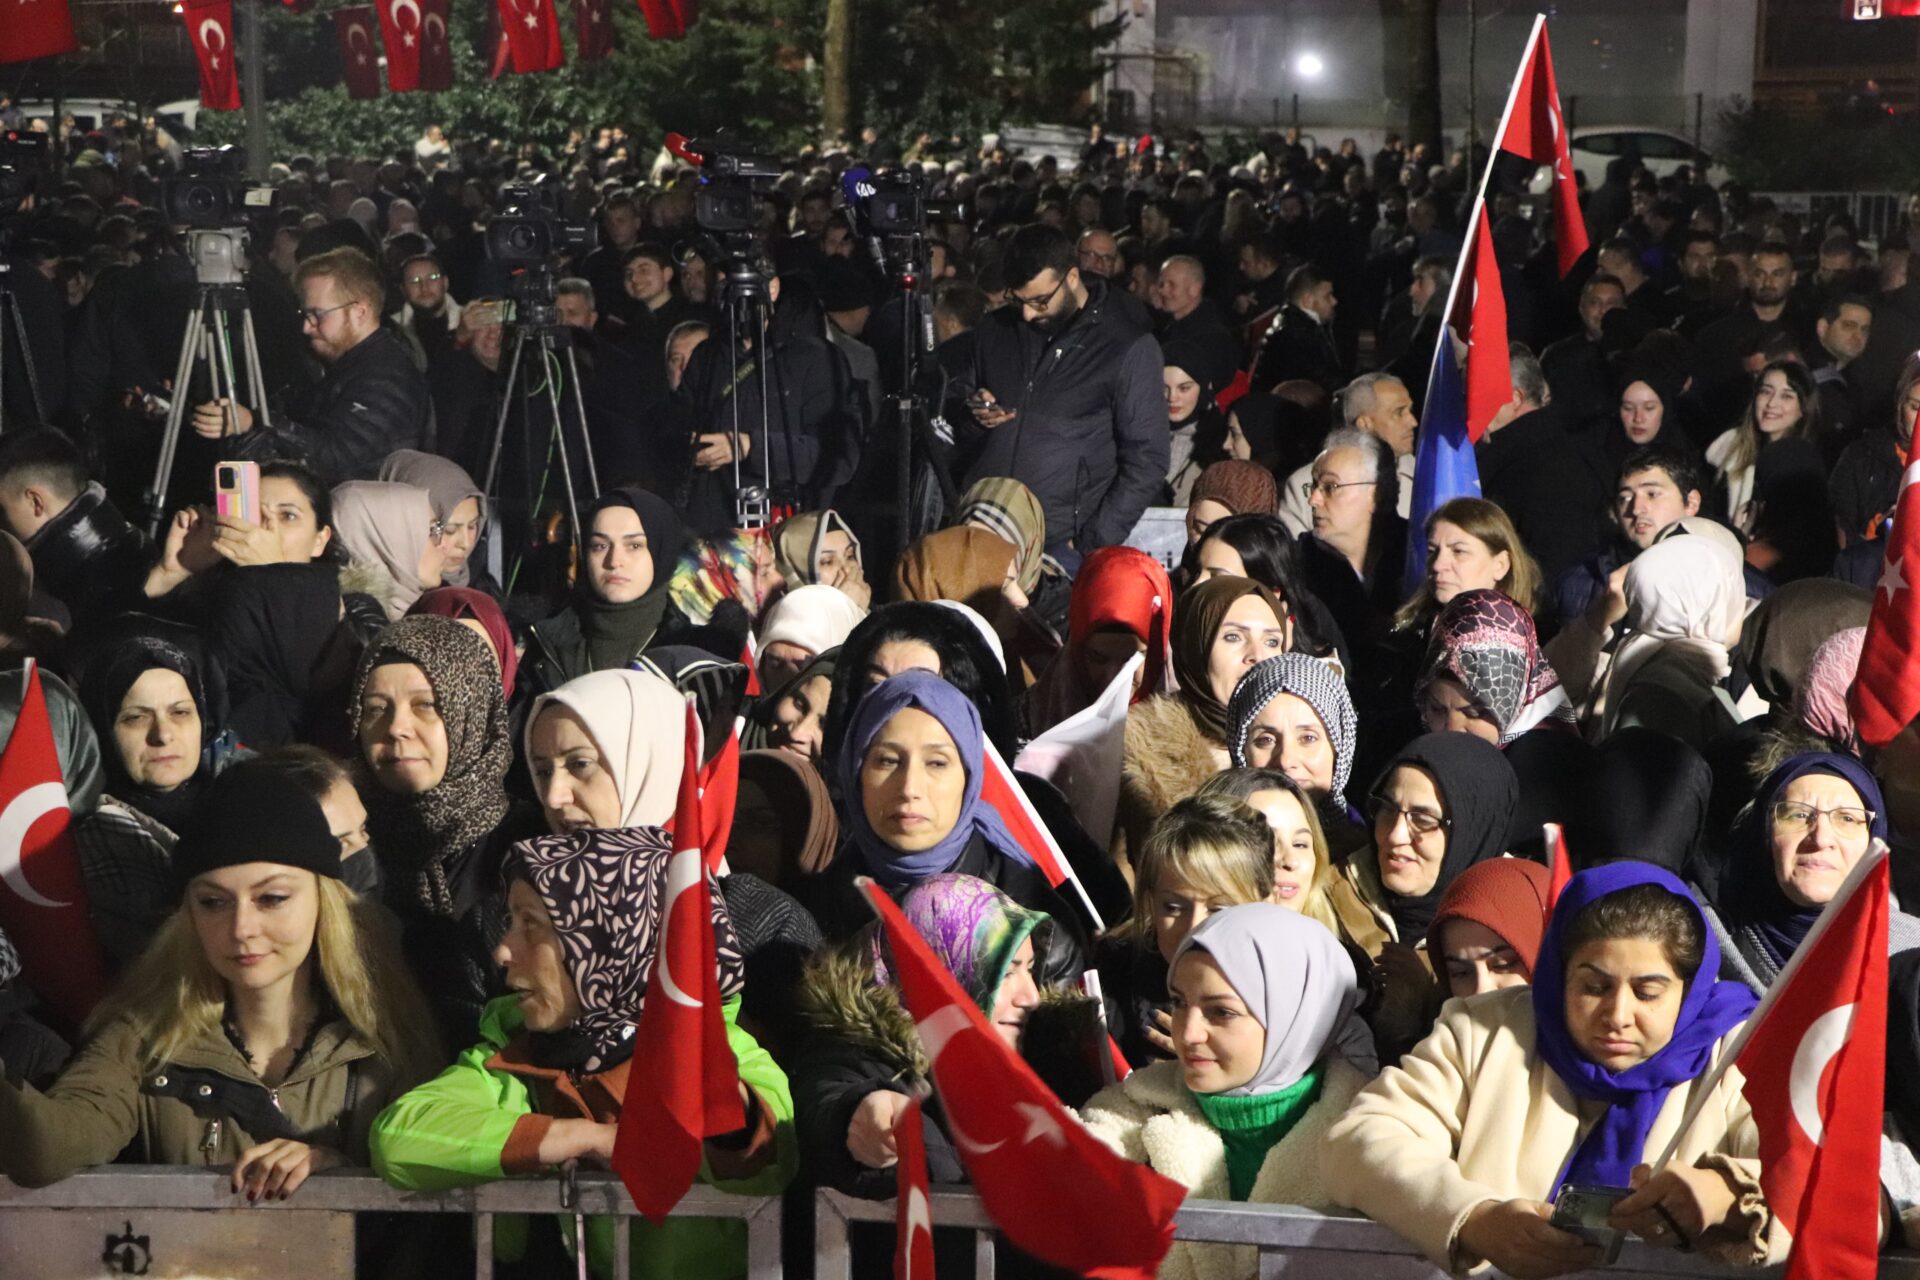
(229, 479)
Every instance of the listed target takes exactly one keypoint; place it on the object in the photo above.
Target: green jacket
(454, 1131)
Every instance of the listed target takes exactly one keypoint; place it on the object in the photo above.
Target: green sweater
(1250, 1126)
(451, 1131)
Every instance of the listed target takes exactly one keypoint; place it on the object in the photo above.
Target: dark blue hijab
(1708, 1011)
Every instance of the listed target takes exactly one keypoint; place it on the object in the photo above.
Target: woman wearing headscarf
(1292, 713)
(434, 755)
(1649, 387)
(545, 1078)
(1651, 801)
(791, 719)
(1197, 429)
(1008, 509)
(1259, 547)
(458, 505)
(1176, 741)
(390, 534)
(1254, 431)
(1485, 674)
(158, 719)
(1519, 1093)
(799, 627)
(1230, 488)
(1486, 931)
(1259, 995)
(974, 567)
(620, 602)
(1122, 603)
(481, 613)
(820, 547)
(784, 825)
(721, 585)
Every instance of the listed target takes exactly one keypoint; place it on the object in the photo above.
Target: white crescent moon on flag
(16, 820)
(213, 24)
(355, 29)
(1826, 1037)
(394, 9)
(919, 1218)
(683, 872)
(427, 26)
(935, 1033)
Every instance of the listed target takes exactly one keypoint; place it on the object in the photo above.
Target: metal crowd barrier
(160, 1222)
(1299, 1244)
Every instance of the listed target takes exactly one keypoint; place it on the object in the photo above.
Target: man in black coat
(1300, 344)
(1551, 482)
(84, 552)
(372, 400)
(1071, 399)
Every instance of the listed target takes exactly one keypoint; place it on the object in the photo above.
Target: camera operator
(41, 310)
(372, 400)
(1070, 399)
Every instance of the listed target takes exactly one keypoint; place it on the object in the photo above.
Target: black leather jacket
(372, 402)
(88, 557)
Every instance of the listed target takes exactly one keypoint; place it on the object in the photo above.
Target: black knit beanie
(255, 813)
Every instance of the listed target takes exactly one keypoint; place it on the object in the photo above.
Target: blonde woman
(253, 1035)
(1471, 546)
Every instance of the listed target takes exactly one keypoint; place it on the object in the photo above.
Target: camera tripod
(219, 307)
(10, 316)
(744, 292)
(906, 264)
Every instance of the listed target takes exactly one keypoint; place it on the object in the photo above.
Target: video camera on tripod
(891, 209)
(212, 198)
(528, 233)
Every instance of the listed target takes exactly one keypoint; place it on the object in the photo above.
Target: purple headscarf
(1708, 1011)
(973, 928)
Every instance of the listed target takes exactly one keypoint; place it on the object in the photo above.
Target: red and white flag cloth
(683, 1085)
(1480, 318)
(912, 1199)
(1537, 129)
(36, 29)
(403, 32)
(43, 899)
(663, 20)
(1815, 1067)
(1559, 865)
(532, 35)
(593, 28)
(436, 50)
(1001, 789)
(1043, 1179)
(210, 27)
(359, 58)
(1885, 696)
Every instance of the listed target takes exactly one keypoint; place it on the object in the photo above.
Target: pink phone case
(236, 490)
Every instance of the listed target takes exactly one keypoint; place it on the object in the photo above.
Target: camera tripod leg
(156, 500)
(560, 441)
(221, 360)
(500, 422)
(256, 381)
(580, 407)
(12, 313)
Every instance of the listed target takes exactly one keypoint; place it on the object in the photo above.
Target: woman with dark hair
(1193, 377)
(1259, 547)
(1782, 426)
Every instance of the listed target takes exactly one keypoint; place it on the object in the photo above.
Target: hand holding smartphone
(1584, 1211)
(236, 490)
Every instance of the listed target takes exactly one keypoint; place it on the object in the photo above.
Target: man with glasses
(429, 314)
(1352, 556)
(372, 399)
(1065, 395)
(1098, 256)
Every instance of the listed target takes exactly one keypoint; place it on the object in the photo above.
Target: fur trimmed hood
(1167, 758)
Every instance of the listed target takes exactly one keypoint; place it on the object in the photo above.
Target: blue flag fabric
(1444, 466)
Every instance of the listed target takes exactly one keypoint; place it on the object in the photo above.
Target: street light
(1309, 66)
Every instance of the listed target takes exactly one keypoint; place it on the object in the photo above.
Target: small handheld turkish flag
(1815, 1067)
(436, 52)
(210, 25)
(593, 29)
(1000, 789)
(1559, 865)
(1886, 696)
(1537, 130)
(684, 1084)
(1042, 1177)
(359, 60)
(913, 1204)
(37, 29)
(532, 35)
(43, 900)
(403, 31)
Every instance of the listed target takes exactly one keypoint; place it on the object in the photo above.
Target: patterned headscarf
(726, 568)
(1486, 643)
(1008, 509)
(1821, 701)
(796, 547)
(605, 891)
(1241, 487)
(1313, 682)
(973, 928)
(423, 832)
(1197, 616)
(9, 960)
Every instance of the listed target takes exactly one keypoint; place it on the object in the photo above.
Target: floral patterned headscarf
(1487, 643)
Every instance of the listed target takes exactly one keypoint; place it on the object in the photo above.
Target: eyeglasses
(314, 315)
(1327, 488)
(1798, 819)
(425, 279)
(1038, 304)
(1421, 822)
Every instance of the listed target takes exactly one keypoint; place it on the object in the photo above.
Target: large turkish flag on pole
(593, 31)
(1886, 695)
(532, 34)
(359, 60)
(436, 53)
(36, 29)
(1537, 130)
(403, 32)
(210, 25)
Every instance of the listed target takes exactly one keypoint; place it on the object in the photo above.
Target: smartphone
(978, 400)
(236, 490)
(1584, 1210)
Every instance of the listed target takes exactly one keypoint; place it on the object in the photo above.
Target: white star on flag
(1891, 581)
(406, 39)
(533, 21)
(1040, 1125)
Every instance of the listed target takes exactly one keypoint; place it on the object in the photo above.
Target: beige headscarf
(385, 525)
(639, 722)
(447, 484)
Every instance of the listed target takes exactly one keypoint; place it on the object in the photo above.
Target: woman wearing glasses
(458, 505)
(391, 535)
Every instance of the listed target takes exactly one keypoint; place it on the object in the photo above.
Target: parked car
(1661, 151)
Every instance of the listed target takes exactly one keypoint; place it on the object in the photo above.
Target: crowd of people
(371, 794)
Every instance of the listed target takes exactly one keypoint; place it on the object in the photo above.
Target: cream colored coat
(1151, 1119)
(1471, 1116)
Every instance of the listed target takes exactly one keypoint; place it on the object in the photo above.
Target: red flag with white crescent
(1885, 697)
(36, 29)
(593, 29)
(403, 32)
(912, 1200)
(210, 27)
(683, 1085)
(532, 34)
(43, 899)
(1538, 130)
(1041, 1176)
(359, 59)
(436, 51)
(1815, 1068)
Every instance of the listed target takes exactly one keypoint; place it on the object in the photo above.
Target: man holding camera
(372, 400)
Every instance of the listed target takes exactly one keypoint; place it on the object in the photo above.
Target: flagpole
(1703, 1087)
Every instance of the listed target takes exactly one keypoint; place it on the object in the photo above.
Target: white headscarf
(386, 524)
(638, 721)
(814, 617)
(1687, 591)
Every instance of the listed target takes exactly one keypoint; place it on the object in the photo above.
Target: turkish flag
(532, 34)
(686, 12)
(359, 60)
(403, 31)
(1537, 130)
(1489, 368)
(36, 29)
(1042, 1177)
(912, 1205)
(436, 52)
(1559, 865)
(593, 30)
(684, 1085)
(663, 20)
(1815, 1067)
(1001, 789)
(43, 900)
(1885, 697)
(210, 25)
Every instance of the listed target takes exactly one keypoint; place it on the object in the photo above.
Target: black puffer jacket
(372, 402)
(89, 558)
(1865, 483)
(1089, 433)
